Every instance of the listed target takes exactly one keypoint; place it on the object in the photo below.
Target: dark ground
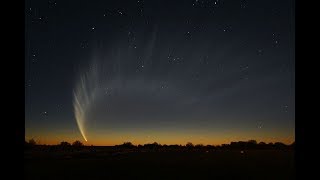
(221, 164)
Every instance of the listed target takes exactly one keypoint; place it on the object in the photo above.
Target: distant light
(241, 152)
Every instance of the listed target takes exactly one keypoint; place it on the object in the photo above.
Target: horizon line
(50, 144)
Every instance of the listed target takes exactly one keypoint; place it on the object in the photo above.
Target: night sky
(172, 72)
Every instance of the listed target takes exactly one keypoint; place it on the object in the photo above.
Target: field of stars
(172, 72)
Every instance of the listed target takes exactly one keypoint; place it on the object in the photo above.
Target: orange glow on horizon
(110, 138)
(171, 141)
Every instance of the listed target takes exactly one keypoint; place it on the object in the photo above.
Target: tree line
(243, 145)
(251, 144)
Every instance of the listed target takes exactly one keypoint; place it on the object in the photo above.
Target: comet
(84, 96)
(93, 82)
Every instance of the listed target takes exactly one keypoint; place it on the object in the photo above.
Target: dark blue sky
(216, 70)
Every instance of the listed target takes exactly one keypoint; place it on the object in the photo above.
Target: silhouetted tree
(189, 145)
(252, 142)
(153, 146)
(270, 144)
(279, 145)
(174, 147)
(64, 144)
(239, 145)
(225, 146)
(199, 145)
(127, 145)
(156, 144)
(209, 147)
(32, 142)
(77, 144)
(262, 143)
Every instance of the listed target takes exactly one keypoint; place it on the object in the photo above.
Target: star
(45, 113)
(260, 125)
(260, 51)
(286, 108)
(244, 68)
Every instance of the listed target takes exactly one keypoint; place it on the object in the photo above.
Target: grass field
(258, 164)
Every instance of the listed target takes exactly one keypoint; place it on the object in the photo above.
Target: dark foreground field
(255, 164)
